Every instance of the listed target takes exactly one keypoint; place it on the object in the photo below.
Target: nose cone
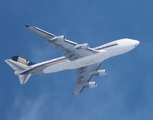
(127, 44)
(134, 43)
(137, 42)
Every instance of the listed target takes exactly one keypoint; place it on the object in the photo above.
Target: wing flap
(84, 77)
(68, 47)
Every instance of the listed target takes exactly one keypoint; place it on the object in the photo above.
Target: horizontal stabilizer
(22, 60)
(19, 65)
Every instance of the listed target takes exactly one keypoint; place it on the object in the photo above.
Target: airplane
(82, 57)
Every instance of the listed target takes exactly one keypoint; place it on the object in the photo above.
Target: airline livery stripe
(106, 46)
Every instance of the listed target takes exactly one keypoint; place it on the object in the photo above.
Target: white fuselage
(104, 52)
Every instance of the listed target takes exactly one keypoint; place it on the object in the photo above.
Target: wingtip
(6, 60)
(26, 26)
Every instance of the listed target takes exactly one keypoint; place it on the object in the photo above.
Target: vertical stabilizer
(24, 78)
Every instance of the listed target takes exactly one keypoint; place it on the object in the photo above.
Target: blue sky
(124, 94)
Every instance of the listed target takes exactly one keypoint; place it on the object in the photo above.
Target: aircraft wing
(85, 74)
(70, 49)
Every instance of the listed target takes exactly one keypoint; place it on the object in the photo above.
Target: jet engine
(58, 38)
(91, 85)
(82, 46)
(101, 72)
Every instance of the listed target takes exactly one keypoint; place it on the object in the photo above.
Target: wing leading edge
(70, 49)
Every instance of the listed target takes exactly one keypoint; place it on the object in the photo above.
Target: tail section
(24, 78)
(20, 64)
(22, 60)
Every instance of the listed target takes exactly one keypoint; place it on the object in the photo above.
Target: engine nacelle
(101, 72)
(91, 85)
(82, 46)
(58, 38)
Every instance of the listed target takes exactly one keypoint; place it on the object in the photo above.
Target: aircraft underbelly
(56, 67)
(81, 62)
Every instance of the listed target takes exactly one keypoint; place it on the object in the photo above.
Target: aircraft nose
(135, 42)
(130, 43)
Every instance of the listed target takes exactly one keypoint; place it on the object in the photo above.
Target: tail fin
(20, 64)
(24, 78)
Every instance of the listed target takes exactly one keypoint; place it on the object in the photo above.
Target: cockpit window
(110, 44)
